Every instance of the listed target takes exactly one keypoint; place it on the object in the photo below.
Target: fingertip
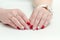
(28, 23)
(36, 28)
(18, 28)
(31, 26)
(25, 28)
(42, 27)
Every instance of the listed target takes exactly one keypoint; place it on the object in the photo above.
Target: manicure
(36, 28)
(25, 28)
(28, 22)
(31, 26)
(42, 27)
(18, 28)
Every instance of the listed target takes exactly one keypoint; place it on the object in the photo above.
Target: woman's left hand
(40, 18)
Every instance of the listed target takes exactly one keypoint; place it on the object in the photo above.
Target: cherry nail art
(42, 27)
(31, 26)
(36, 28)
(18, 28)
(28, 23)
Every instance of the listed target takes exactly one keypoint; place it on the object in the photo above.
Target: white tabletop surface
(52, 32)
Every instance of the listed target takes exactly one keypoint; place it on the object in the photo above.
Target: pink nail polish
(31, 26)
(36, 28)
(18, 28)
(28, 23)
(42, 27)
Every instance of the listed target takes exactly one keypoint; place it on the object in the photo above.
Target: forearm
(42, 2)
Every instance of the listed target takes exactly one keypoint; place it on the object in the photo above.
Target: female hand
(40, 18)
(14, 18)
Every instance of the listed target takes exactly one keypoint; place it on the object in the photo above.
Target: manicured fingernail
(28, 23)
(25, 28)
(18, 28)
(36, 28)
(42, 27)
(31, 26)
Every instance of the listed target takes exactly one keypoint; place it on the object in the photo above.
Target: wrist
(40, 2)
(47, 7)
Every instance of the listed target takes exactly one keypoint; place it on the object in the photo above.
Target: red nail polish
(36, 28)
(28, 23)
(42, 27)
(31, 26)
(18, 28)
(25, 28)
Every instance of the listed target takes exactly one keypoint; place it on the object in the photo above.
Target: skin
(40, 17)
(39, 2)
(14, 17)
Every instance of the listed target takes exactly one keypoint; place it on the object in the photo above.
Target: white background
(52, 32)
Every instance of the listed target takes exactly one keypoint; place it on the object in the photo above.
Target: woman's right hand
(14, 18)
